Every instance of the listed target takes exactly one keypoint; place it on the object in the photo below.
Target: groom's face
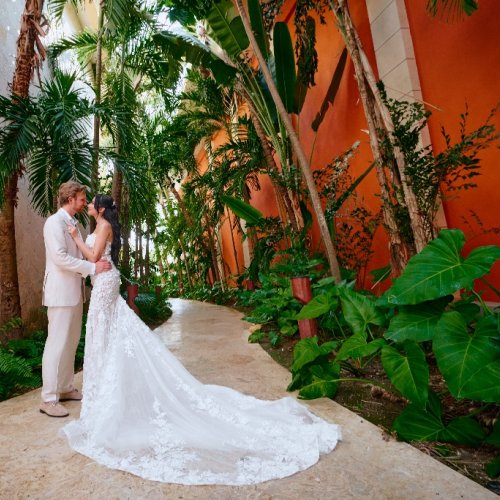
(77, 204)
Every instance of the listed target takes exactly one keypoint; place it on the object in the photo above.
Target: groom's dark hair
(69, 190)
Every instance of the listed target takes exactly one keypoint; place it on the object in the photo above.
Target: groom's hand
(102, 266)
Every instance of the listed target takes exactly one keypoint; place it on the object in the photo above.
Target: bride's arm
(92, 254)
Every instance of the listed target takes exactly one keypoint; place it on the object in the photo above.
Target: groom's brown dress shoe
(53, 409)
(74, 395)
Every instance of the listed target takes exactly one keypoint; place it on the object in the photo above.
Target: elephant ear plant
(415, 322)
(463, 335)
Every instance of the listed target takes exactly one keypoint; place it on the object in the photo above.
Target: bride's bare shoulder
(103, 226)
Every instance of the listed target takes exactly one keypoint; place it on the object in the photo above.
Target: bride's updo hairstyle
(111, 215)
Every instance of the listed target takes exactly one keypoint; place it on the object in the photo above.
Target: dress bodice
(90, 242)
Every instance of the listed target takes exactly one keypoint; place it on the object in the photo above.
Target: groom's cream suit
(63, 295)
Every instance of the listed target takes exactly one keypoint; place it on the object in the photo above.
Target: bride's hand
(72, 230)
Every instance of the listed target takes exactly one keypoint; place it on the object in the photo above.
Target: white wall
(29, 238)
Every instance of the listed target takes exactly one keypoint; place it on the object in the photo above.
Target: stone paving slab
(36, 463)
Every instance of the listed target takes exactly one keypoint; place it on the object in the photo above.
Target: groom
(63, 288)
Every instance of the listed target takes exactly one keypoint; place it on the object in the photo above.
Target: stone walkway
(212, 342)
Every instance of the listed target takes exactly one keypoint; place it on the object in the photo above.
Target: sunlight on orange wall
(459, 64)
(345, 121)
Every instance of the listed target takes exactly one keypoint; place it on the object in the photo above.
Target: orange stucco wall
(343, 125)
(345, 121)
(459, 64)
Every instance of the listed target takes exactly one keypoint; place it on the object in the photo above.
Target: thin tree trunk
(302, 160)
(250, 231)
(125, 262)
(233, 243)
(399, 252)
(117, 184)
(162, 270)
(136, 253)
(417, 223)
(181, 204)
(186, 263)
(10, 304)
(97, 90)
(213, 250)
(27, 59)
(141, 253)
(147, 263)
(180, 280)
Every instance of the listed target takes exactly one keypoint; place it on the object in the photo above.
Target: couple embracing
(142, 411)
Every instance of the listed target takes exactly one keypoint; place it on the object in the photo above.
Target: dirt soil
(382, 406)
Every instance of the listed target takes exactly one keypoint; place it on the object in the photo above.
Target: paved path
(212, 342)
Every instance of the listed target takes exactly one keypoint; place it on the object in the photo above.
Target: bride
(144, 413)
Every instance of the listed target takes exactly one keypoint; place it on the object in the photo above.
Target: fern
(15, 373)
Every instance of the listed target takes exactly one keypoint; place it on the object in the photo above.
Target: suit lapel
(73, 249)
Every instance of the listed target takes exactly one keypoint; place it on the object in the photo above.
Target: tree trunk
(125, 262)
(181, 204)
(213, 250)
(233, 243)
(27, 59)
(162, 269)
(303, 163)
(147, 262)
(417, 223)
(10, 304)
(117, 184)
(97, 90)
(186, 263)
(399, 251)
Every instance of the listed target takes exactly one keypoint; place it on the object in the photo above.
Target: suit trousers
(58, 362)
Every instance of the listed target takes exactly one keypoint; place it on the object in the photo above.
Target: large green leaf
(359, 310)
(417, 322)
(319, 305)
(463, 430)
(408, 372)
(357, 347)
(426, 424)
(242, 210)
(493, 468)
(324, 382)
(255, 14)
(416, 424)
(470, 363)
(494, 437)
(440, 270)
(226, 27)
(307, 350)
(285, 65)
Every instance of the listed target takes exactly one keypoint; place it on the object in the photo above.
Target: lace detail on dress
(144, 413)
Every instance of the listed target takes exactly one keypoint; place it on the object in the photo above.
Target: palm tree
(49, 134)
(233, 34)
(29, 57)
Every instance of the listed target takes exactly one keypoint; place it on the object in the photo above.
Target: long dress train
(144, 413)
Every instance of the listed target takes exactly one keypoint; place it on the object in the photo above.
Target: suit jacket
(64, 266)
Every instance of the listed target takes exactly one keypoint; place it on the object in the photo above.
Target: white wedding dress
(144, 413)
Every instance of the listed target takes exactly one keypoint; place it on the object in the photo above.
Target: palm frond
(451, 9)
(56, 7)
(84, 44)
